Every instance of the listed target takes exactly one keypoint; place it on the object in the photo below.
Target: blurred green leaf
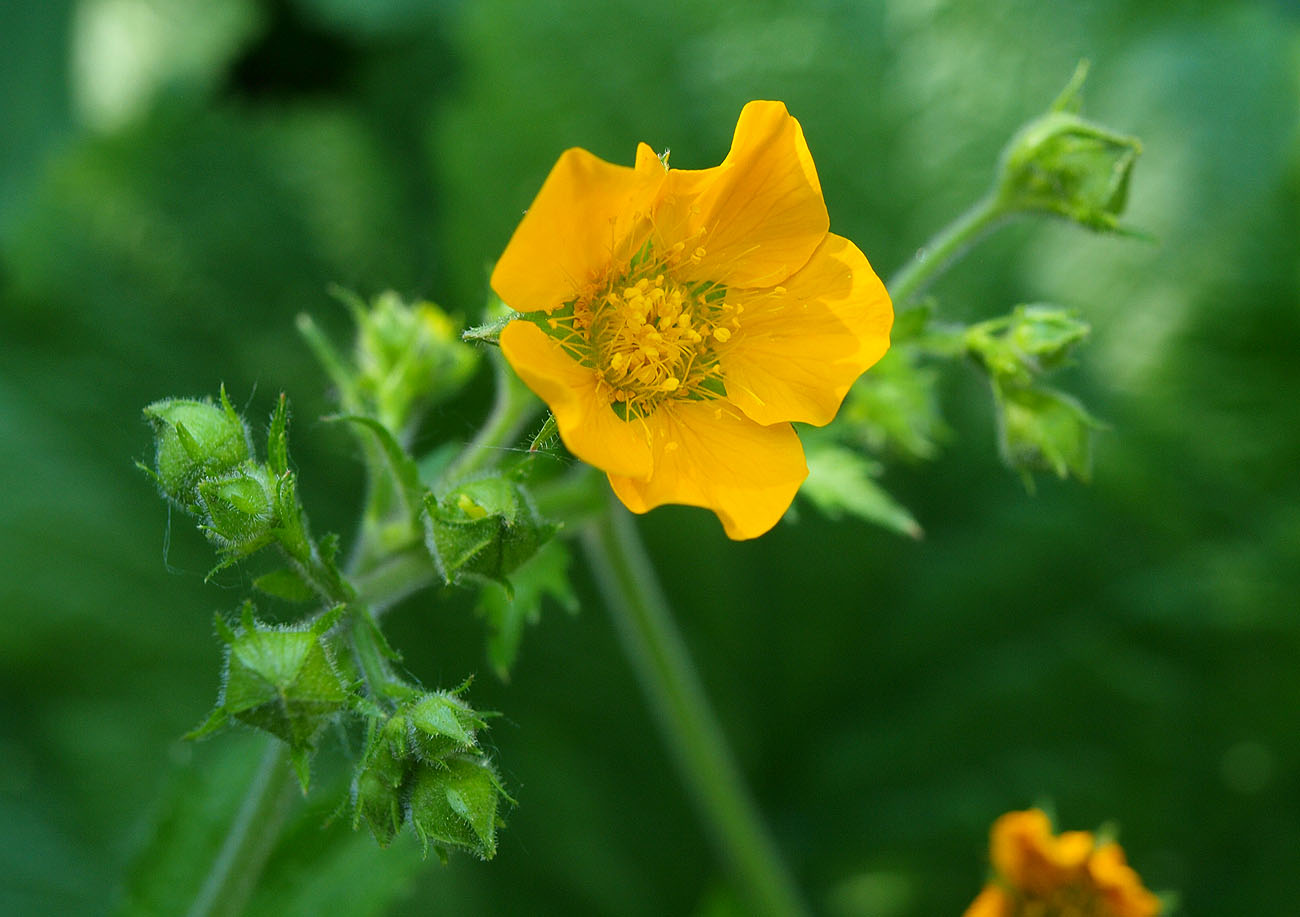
(841, 482)
(507, 612)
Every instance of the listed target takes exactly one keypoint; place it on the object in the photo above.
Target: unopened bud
(239, 508)
(454, 805)
(408, 356)
(1064, 165)
(484, 528)
(443, 724)
(1044, 430)
(1031, 340)
(195, 440)
(281, 680)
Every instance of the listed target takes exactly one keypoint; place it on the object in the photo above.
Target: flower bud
(1064, 165)
(282, 680)
(1046, 334)
(484, 528)
(1031, 340)
(454, 805)
(1043, 430)
(378, 788)
(443, 724)
(408, 357)
(195, 440)
(239, 508)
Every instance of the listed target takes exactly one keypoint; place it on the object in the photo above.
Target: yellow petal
(709, 454)
(584, 214)
(587, 424)
(991, 902)
(801, 346)
(759, 215)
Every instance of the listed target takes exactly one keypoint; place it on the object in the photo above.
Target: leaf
(277, 439)
(842, 482)
(546, 574)
(197, 805)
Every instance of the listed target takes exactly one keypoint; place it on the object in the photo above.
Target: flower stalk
(252, 835)
(686, 721)
(937, 255)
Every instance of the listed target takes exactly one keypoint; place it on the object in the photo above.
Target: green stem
(388, 582)
(943, 250)
(252, 835)
(369, 654)
(651, 640)
(512, 410)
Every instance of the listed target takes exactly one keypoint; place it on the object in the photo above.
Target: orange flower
(1039, 874)
(677, 321)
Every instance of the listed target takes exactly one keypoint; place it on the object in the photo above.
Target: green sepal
(442, 724)
(489, 332)
(547, 437)
(508, 612)
(285, 583)
(277, 438)
(281, 680)
(217, 720)
(454, 805)
(300, 758)
(484, 528)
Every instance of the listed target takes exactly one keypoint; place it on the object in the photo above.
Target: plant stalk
(941, 252)
(672, 688)
(252, 836)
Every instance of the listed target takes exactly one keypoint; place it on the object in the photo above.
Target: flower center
(649, 336)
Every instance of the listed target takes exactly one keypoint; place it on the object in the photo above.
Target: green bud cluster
(1040, 429)
(204, 463)
(424, 765)
(406, 358)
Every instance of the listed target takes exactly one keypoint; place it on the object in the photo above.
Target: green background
(178, 179)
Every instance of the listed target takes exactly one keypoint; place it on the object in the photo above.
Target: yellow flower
(677, 321)
(1039, 874)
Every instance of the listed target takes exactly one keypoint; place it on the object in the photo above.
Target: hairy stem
(937, 255)
(513, 409)
(669, 681)
(252, 835)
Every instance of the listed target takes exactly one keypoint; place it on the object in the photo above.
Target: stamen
(650, 336)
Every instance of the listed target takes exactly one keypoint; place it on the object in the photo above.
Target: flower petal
(991, 902)
(582, 217)
(800, 347)
(759, 215)
(709, 454)
(587, 424)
